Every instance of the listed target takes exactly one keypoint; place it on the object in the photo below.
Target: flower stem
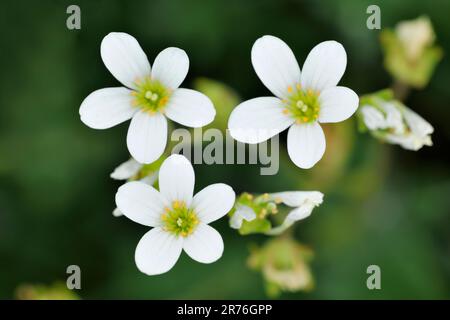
(401, 90)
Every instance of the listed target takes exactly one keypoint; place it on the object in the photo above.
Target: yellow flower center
(150, 95)
(179, 219)
(302, 105)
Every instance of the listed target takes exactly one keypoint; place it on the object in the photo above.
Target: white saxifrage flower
(397, 124)
(417, 134)
(303, 203)
(130, 170)
(303, 99)
(149, 96)
(179, 219)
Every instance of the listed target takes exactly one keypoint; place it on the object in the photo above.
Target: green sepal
(255, 226)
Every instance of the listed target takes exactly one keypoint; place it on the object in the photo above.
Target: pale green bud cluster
(252, 213)
(284, 264)
(410, 53)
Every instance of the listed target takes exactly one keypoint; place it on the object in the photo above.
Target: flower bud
(284, 264)
(390, 121)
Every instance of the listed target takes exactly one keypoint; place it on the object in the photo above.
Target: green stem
(401, 90)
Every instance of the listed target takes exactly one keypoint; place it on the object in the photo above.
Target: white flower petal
(246, 212)
(190, 108)
(394, 118)
(147, 136)
(275, 64)
(300, 213)
(213, 202)
(205, 245)
(141, 203)
(373, 118)
(304, 201)
(337, 104)
(157, 252)
(324, 66)
(107, 107)
(177, 179)
(242, 213)
(124, 58)
(418, 125)
(297, 198)
(258, 119)
(411, 131)
(409, 141)
(306, 144)
(171, 67)
(126, 170)
(117, 213)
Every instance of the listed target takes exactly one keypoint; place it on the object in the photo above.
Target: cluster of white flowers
(179, 220)
(397, 124)
(303, 99)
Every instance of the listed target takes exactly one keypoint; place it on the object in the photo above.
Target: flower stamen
(150, 95)
(179, 219)
(302, 105)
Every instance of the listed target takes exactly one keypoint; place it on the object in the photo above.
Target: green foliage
(56, 291)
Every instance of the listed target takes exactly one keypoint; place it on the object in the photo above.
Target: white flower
(303, 203)
(149, 96)
(303, 99)
(242, 213)
(418, 133)
(397, 124)
(179, 219)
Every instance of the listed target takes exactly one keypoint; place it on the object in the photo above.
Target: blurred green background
(383, 205)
